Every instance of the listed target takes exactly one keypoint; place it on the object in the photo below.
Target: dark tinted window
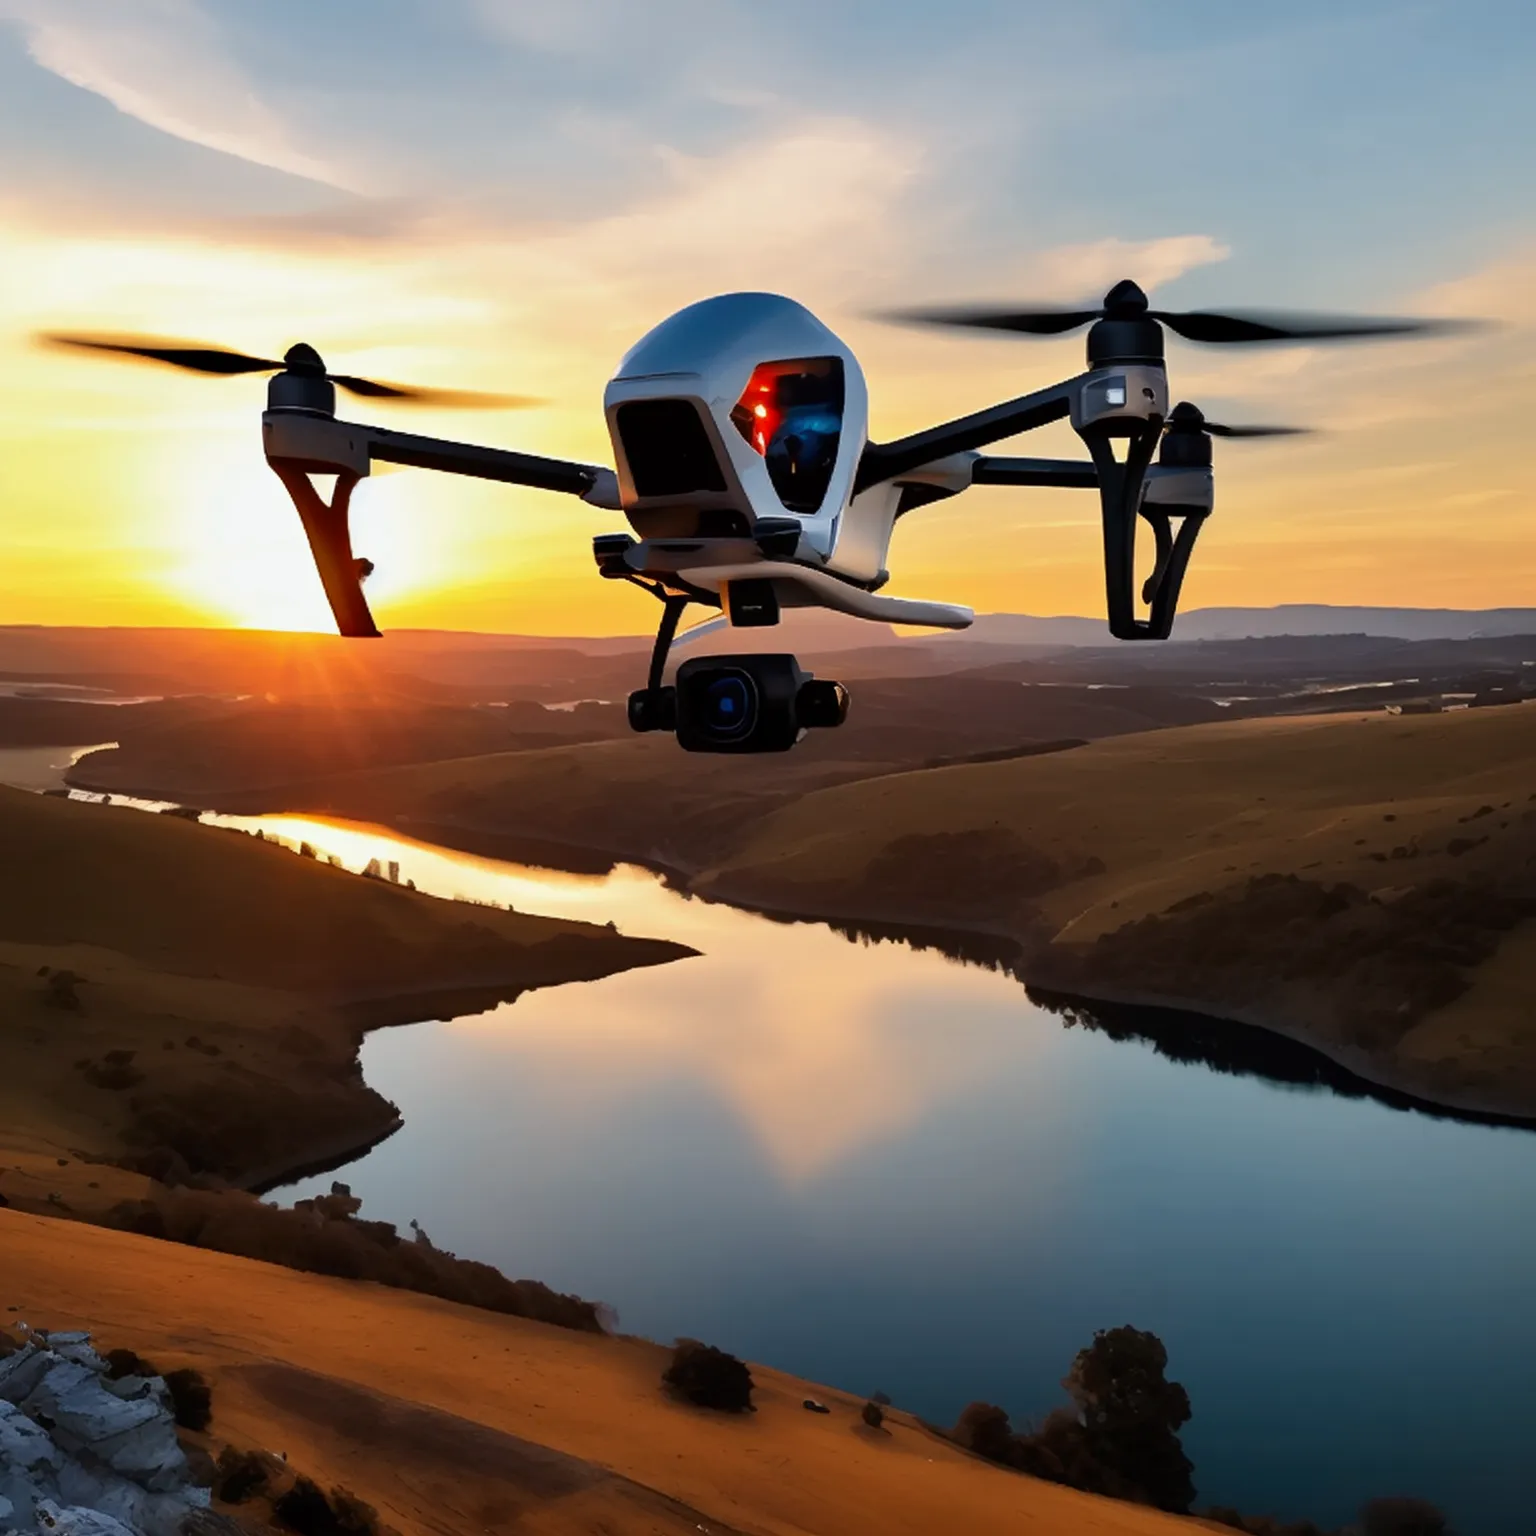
(792, 413)
(668, 450)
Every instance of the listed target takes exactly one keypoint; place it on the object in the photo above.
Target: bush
(324, 1240)
(873, 1414)
(709, 1378)
(191, 1398)
(984, 1430)
(239, 1475)
(1402, 1517)
(60, 991)
(305, 1509)
(125, 1362)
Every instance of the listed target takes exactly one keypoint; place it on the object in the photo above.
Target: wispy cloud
(1085, 271)
(163, 62)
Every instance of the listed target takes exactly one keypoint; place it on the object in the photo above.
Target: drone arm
(889, 461)
(584, 480)
(1071, 473)
(301, 443)
(330, 542)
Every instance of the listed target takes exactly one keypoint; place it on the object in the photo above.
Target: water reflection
(42, 768)
(870, 1165)
(883, 1170)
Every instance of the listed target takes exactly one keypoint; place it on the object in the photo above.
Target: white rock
(149, 1453)
(24, 1445)
(20, 1373)
(82, 1408)
(75, 1521)
(77, 1347)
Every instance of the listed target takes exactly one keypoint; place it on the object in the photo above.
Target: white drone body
(738, 427)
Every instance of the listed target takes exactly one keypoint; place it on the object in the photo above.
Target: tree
(984, 1429)
(1131, 1414)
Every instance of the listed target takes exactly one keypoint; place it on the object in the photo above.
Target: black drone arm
(888, 461)
(1073, 474)
(300, 444)
(483, 463)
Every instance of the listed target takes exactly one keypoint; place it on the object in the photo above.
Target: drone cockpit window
(791, 412)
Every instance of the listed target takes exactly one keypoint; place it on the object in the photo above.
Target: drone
(750, 484)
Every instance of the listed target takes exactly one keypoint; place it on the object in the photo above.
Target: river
(890, 1171)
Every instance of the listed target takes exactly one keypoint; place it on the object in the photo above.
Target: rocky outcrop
(84, 1452)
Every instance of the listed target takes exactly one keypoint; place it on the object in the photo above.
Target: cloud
(1085, 271)
(162, 62)
(579, 26)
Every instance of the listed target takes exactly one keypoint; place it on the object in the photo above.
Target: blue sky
(525, 187)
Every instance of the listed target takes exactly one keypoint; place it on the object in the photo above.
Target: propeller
(301, 360)
(1187, 418)
(1126, 301)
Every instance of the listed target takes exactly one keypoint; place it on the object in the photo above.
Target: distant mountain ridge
(1260, 623)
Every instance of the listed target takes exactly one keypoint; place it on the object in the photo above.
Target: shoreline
(1020, 956)
(1025, 956)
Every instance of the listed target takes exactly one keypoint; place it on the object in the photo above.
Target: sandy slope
(1421, 976)
(223, 985)
(451, 1420)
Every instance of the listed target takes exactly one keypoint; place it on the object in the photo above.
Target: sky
(506, 194)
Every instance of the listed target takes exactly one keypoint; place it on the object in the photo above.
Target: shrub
(983, 1429)
(239, 1475)
(305, 1509)
(60, 991)
(872, 1414)
(125, 1362)
(325, 1240)
(709, 1378)
(1402, 1517)
(191, 1398)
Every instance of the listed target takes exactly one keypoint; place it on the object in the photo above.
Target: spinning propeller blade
(1040, 320)
(1126, 301)
(179, 354)
(303, 359)
(1187, 418)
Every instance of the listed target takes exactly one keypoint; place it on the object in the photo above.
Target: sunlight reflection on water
(886, 1170)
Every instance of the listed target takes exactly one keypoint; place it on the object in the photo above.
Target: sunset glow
(148, 490)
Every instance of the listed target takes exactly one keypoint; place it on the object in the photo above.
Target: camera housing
(752, 703)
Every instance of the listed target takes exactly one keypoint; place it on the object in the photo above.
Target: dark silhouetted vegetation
(1120, 1438)
(191, 1398)
(709, 1378)
(873, 1414)
(323, 1243)
(305, 1509)
(1131, 1414)
(240, 1475)
(126, 1362)
(59, 990)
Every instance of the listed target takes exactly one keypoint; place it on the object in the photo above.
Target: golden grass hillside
(447, 1419)
(1364, 883)
(173, 991)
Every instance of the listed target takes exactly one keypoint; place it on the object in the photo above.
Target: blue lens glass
(728, 705)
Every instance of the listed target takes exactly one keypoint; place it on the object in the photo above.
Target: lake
(890, 1171)
(886, 1170)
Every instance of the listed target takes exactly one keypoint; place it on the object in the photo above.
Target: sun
(242, 557)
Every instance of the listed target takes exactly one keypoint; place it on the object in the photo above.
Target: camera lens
(730, 705)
